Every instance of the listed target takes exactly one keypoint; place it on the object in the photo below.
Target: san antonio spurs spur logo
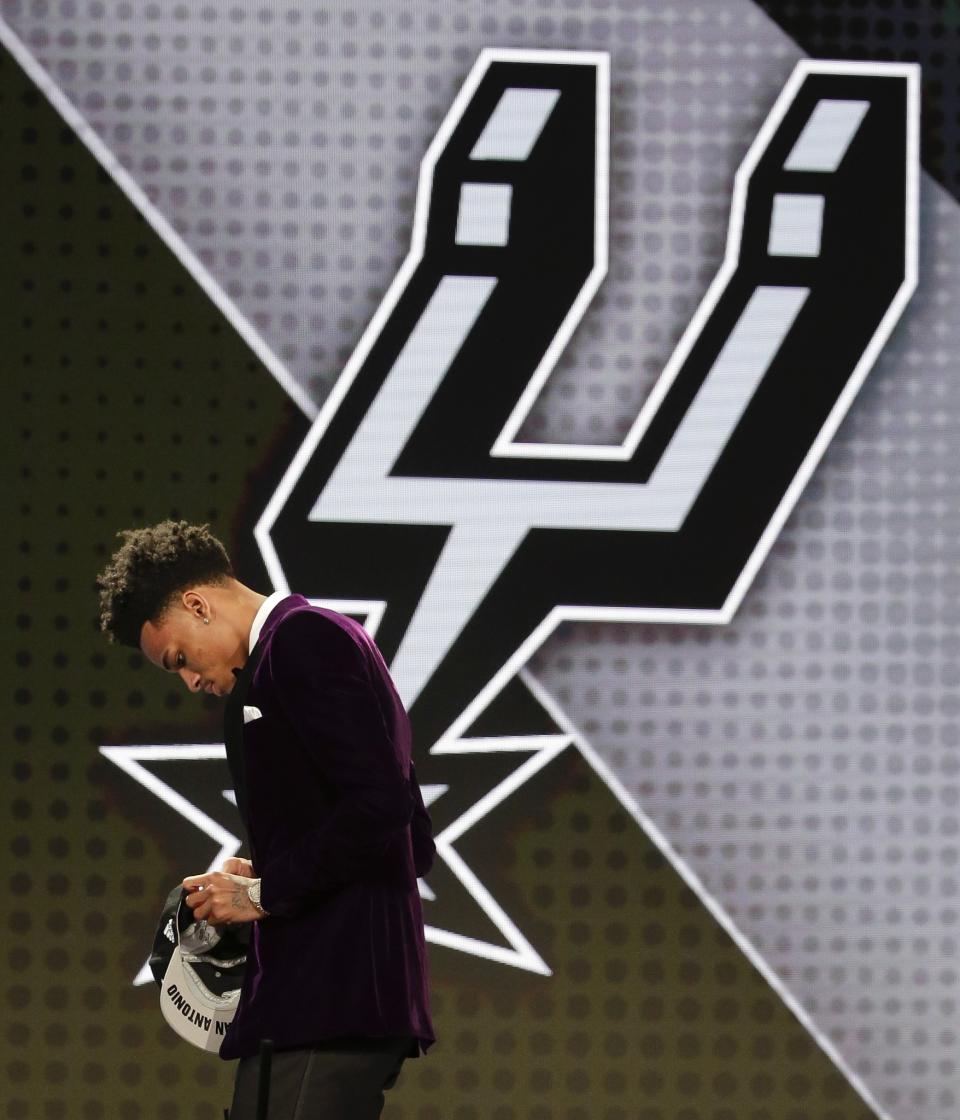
(414, 503)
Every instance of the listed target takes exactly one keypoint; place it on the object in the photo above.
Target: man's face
(202, 654)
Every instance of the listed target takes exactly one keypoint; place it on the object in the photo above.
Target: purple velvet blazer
(338, 835)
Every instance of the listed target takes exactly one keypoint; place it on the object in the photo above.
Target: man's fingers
(213, 897)
(200, 904)
(236, 865)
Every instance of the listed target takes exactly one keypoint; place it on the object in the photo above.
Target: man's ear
(195, 603)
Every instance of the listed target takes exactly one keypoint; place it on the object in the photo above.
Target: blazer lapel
(233, 731)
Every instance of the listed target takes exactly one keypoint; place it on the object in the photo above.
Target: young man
(318, 744)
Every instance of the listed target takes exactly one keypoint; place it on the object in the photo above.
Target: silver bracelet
(253, 892)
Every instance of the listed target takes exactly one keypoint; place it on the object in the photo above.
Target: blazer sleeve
(321, 681)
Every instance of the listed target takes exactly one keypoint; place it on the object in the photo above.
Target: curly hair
(148, 570)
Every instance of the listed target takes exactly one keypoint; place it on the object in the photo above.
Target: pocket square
(251, 713)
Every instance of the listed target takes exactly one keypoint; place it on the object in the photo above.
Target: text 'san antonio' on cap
(200, 972)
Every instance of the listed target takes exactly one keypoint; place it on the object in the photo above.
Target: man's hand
(219, 897)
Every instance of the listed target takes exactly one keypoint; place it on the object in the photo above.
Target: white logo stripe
(827, 135)
(483, 217)
(796, 225)
(515, 125)
(490, 517)
(725, 393)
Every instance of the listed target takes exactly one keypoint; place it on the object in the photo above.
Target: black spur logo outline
(411, 500)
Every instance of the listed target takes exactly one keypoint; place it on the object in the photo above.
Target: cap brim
(192, 1011)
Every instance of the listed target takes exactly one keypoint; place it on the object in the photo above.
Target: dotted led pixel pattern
(922, 31)
(901, 1041)
(284, 142)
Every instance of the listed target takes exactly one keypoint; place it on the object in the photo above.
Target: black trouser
(342, 1080)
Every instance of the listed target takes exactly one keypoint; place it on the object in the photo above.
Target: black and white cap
(200, 969)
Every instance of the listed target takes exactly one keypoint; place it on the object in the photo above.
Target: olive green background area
(131, 399)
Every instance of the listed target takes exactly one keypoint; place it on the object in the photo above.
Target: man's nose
(191, 679)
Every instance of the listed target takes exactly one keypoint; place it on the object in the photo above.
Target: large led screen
(598, 357)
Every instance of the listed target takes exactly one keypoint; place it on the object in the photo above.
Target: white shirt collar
(261, 616)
